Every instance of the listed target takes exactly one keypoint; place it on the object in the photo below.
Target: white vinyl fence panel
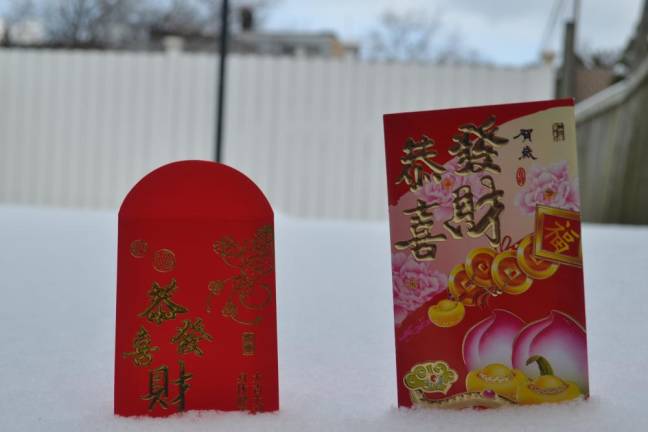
(79, 128)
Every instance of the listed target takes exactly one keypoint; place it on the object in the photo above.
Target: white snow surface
(336, 340)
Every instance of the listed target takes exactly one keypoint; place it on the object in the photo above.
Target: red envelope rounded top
(171, 192)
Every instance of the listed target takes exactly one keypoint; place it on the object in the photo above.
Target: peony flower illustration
(561, 341)
(415, 283)
(549, 186)
(441, 192)
(490, 341)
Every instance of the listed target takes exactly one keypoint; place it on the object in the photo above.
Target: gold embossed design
(507, 274)
(164, 260)
(138, 248)
(188, 337)
(162, 307)
(248, 342)
(253, 260)
(431, 377)
(478, 266)
(560, 238)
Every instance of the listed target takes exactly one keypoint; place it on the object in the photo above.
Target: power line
(551, 24)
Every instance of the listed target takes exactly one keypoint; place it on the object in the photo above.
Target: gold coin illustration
(534, 267)
(478, 266)
(507, 274)
(461, 287)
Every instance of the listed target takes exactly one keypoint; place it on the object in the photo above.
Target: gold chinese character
(561, 236)
(189, 335)
(249, 343)
(423, 242)
(241, 391)
(475, 147)
(181, 382)
(161, 307)
(258, 400)
(142, 348)
(158, 388)
(493, 201)
(417, 160)
(463, 210)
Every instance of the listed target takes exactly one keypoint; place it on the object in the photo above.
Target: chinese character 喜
(417, 161)
(423, 242)
(142, 348)
(475, 147)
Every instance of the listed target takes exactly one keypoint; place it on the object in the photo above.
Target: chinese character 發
(418, 163)
(142, 348)
(525, 134)
(491, 218)
(189, 335)
(475, 147)
(463, 210)
(561, 236)
(527, 153)
(158, 388)
(161, 307)
(423, 242)
(558, 131)
(183, 386)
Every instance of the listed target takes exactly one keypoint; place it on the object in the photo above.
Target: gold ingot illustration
(532, 266)
(446, 313)
(547, 388)
(507, 274)
(496, 377)
(461, 287)
(478, 266)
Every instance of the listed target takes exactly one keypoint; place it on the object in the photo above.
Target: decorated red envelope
(196, 316)
(486, 255)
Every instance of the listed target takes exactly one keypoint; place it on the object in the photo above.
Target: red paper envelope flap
(196, 308)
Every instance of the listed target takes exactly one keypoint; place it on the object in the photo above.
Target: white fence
(79, 128)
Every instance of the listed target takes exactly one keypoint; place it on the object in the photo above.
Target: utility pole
(220, 108)
(568, 81)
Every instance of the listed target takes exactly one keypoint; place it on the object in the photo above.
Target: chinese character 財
(463, 210)
(418, 163)
(525, 134)
(183, 386)
(527, 153)
(475, 147)
(142, 348)
(189, 336)
(158, 387)
(423, 242)
(493, 203)
(162, 308)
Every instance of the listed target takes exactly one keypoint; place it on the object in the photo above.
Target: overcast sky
(505, 32)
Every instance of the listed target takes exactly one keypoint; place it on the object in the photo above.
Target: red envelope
(486, 255)
(196, 312)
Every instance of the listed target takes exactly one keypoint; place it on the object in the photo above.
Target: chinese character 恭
(423, 242)
(558, 131)
(417, 161)
(475, 147)
(161, 307)
(491, 218)
(561, 236)
(525, 134)
(142, 348)
(189, 336)
(183, 386)
(527, 153)
(463, 209)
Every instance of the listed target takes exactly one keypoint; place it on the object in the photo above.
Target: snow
(335, 333)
